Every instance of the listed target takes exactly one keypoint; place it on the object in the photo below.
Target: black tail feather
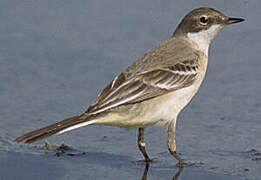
(49, 130)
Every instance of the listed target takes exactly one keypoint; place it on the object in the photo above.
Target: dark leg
(172, 142)
(141, 144)
(144, 176)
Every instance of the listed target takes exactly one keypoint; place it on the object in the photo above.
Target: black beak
(234, 20)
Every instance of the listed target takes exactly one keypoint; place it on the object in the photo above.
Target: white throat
(203, 38)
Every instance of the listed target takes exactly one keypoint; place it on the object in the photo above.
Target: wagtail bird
(156, 87)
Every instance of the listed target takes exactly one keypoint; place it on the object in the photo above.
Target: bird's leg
(141, 144)
(172, 142)
(145, 173)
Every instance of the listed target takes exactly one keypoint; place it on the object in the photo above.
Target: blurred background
(56, 56)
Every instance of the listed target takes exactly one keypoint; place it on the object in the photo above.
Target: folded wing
(145, 85)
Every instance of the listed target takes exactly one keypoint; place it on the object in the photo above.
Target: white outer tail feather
(77, 126)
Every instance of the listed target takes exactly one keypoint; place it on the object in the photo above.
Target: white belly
(167, 107)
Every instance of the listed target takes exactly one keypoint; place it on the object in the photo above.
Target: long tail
(57, 128)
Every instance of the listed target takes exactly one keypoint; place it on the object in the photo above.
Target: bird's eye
(203, 20)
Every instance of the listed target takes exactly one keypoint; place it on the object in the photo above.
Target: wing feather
(145, 85)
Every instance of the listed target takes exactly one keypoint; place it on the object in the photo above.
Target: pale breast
(166, 108)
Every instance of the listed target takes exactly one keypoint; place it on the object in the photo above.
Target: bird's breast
(166, 108)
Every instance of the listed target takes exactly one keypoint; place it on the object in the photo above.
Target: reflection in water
(175, 177)
(144, 176)
(177, 173)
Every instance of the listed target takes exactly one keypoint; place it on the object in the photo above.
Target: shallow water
(56, 56)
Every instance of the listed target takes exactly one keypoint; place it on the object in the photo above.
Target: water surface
(56, 56)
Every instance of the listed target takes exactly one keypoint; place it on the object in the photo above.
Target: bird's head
(203, 24)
